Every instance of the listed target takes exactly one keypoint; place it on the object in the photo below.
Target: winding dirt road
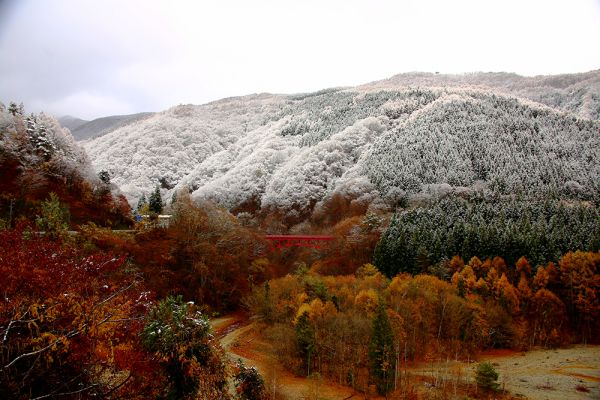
(241, 340)
(570, 373)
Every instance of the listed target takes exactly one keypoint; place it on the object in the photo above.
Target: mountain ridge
(289, 152)
(84, 130)
(557, 91)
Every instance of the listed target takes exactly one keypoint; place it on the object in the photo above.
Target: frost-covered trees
(542, 231)
(14, 109)
(248, 382)
(104, 176)
(468, 138)
(180, 335)
(39, 138)
(38, 157)
(288, 153)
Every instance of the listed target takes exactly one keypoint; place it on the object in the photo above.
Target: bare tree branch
(66, 393)
(115, 294)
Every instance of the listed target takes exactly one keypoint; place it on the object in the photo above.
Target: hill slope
(38, 157)
(71, 123)
(82, 129)
(379, 141)
(576, 93)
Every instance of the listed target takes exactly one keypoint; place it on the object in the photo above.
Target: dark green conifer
(486, 377)
(305, 338)
(381, 351)
(155, 201)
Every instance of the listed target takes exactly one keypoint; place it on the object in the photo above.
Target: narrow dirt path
(240, 339)
(570, 373)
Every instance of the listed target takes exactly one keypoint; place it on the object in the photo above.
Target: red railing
(313, 241)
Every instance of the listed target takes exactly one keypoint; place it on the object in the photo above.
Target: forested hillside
(382, 143)
(575, 93)
(38, 157)
(509, 228)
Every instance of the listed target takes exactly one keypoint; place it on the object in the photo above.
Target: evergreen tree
(180, 336)
(155, 201)
(39, 138)
(381, 351)
(104, 176)
(13, 108)
(142, 202)
(540, 231)
(486, 377)
(305, 338)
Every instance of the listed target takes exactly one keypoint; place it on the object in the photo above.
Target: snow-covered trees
(288, 153)
(104, 176)
(180, 335)
(38, 157)
(509, 228)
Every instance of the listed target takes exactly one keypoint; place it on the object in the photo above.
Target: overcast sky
(103, 57)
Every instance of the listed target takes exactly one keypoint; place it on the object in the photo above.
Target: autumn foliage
(68, 321)
(340, 331)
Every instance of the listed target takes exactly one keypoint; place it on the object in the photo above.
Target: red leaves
(64, 315)
(40, 268)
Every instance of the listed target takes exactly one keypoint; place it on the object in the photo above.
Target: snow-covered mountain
(576, 93)
(71, 123)
(411, 135)
(82, 129)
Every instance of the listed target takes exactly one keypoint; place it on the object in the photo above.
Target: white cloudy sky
(91, 58)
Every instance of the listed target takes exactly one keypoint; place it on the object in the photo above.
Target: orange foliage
(69, 321)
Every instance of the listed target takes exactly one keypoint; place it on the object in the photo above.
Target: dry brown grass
(555, 374)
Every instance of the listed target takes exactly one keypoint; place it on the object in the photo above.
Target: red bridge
(314, 241)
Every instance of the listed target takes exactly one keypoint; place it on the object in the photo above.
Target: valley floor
(551, 374)
(557, 374)
(569, 373)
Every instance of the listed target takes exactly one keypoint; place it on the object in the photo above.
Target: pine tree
(104, 176)
(381, 351)
(142, 202)
(38, 136)
(13, 108)
(486, 377)
(305, 338)
(155, 201)
(180, 336)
